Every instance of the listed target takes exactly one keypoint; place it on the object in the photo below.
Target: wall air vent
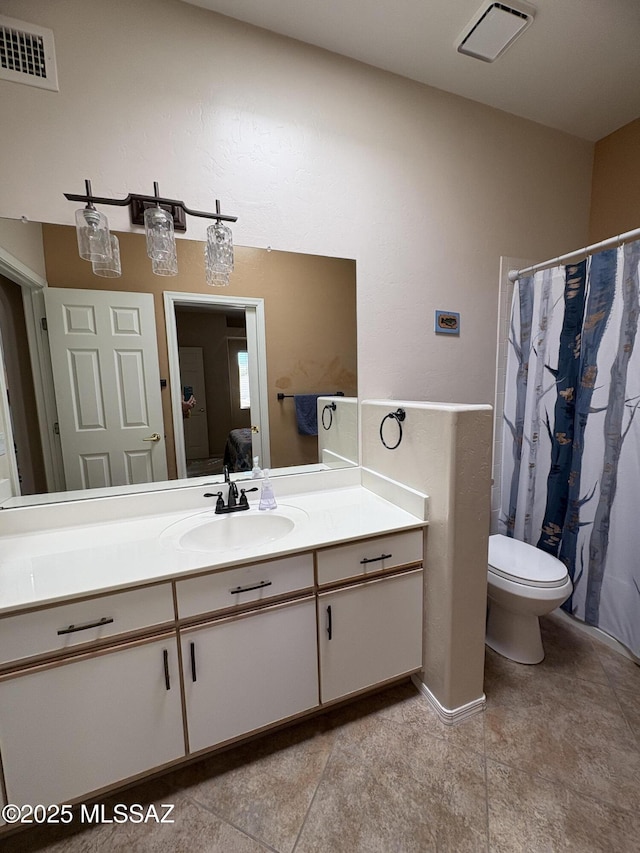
(27, 54)
(493, 29)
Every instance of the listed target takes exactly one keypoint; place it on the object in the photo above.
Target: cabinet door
(246, 672)
(75, 728)
(369, 633)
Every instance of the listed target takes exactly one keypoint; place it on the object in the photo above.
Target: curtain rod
(514, 275)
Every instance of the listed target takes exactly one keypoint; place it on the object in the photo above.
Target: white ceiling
(576, 68)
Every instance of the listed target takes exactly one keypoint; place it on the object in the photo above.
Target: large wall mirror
(285, 326)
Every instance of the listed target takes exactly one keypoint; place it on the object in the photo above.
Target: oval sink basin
(249, 529)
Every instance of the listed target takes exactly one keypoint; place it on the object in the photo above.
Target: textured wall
(314, 153)
(445, 452)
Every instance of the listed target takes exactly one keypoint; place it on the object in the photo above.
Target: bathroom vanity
(136, 643)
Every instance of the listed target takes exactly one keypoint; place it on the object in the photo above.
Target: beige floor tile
(528, 814)
(622, 673)
(569, 651)
(571, 731)
(630, 705)
(264, 787)
(404, 704)
(194, 830)
(515, 685)
(391, 788)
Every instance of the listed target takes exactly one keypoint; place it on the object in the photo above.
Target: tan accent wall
(615, 190)
(310, 317)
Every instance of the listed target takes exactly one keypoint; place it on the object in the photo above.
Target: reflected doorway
(217, 353)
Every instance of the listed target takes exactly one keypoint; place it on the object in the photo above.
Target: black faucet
(233, 503)
(232, 498)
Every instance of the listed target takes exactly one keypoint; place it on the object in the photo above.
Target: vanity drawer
(369, 556)
(66, 625)
(244, 585)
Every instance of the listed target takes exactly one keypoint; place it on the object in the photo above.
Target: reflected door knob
(154, 437)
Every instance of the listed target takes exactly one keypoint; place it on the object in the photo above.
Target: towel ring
(330, 407)
(398, 416)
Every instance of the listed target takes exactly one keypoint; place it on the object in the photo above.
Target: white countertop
(52, 566)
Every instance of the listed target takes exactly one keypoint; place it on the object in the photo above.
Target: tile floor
(552, 765)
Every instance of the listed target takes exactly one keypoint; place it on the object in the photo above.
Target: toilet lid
(515, 560)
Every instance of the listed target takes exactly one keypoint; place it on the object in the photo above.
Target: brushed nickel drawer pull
(376, 559)
(73, 628)
(240, 589)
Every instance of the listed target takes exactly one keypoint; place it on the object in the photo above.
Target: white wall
(23, 241)
(445, 453)
(314, 153)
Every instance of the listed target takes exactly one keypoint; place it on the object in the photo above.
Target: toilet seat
(525, 564)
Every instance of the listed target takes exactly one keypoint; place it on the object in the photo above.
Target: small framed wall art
(447, 323)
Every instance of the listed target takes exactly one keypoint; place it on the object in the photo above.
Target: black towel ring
(398, 416)
(330, 407)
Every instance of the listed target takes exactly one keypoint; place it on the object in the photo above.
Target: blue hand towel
(307, 413)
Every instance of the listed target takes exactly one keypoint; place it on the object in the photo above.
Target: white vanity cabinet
(370, 616)
(70, 728)
(245, 672)
(62, 627)
(99, 690)
(369, 633)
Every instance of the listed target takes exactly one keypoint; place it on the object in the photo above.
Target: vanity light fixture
(218, 253)
(161, 218)
(109, 267)
(160, 233)
(92, 231)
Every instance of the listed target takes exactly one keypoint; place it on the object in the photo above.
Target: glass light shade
(109, 267)
(92, 231)
(165, 266)
(161, 239)
(218, 255)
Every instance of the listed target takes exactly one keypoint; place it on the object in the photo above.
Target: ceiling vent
(493, 29)
(27, 54)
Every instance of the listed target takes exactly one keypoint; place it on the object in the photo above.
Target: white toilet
(523, 584)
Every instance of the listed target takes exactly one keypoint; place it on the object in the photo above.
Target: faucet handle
(243, 496)
(219, 501)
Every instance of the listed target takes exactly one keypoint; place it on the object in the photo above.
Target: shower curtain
(571, 432)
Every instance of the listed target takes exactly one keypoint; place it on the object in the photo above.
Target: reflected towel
(307, 413)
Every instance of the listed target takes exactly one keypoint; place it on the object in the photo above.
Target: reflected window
(243, 379)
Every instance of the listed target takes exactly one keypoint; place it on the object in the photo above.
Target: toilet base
(515, 636)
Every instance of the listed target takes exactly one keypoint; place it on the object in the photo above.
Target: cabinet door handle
(167, 680)
(375, 559)
(73, 628)
(240, 589)
(193, 662)
(329, 622)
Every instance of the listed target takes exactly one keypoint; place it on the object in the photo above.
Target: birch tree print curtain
(571, 432)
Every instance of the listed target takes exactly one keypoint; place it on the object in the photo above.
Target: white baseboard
(450, 716)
